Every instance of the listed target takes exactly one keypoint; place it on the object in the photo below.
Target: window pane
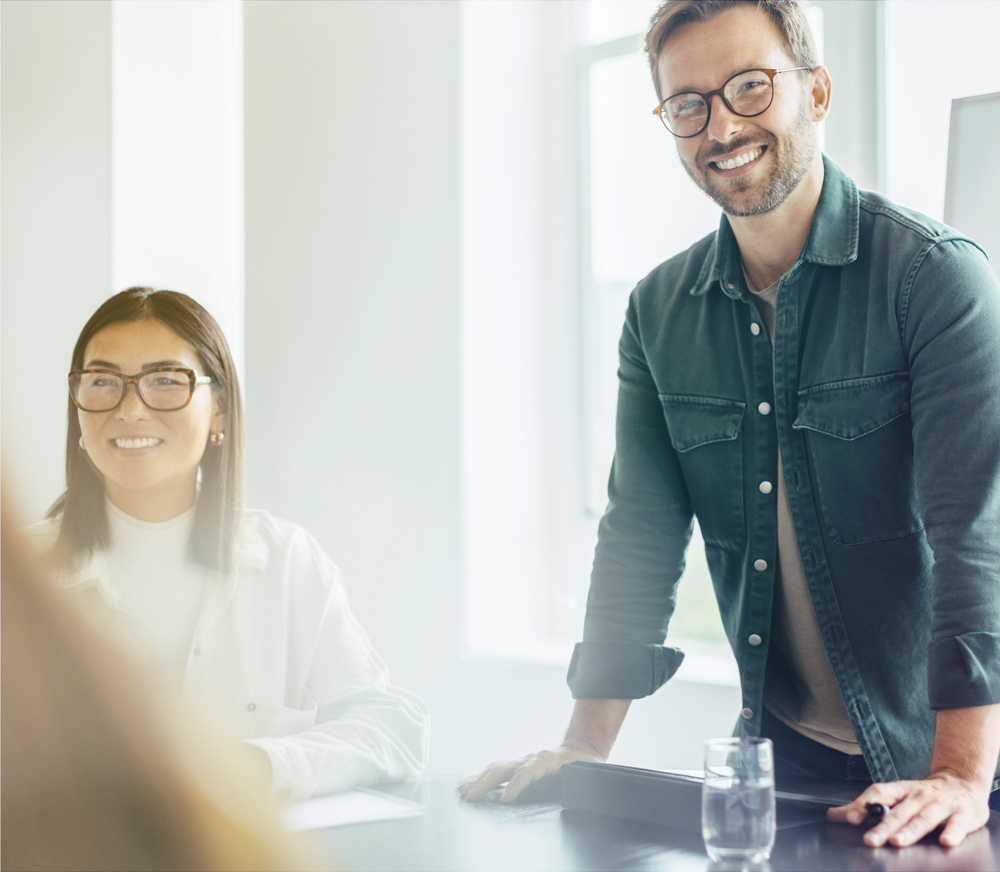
(934, 53)
(644, 209)
(697, 613)
(610, 19)
(608, 313)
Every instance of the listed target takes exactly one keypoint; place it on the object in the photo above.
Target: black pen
(876, 810)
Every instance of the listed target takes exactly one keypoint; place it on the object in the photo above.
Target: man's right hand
(592, 731)
(521, 772)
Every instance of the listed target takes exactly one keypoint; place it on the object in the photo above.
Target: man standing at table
(819, 383)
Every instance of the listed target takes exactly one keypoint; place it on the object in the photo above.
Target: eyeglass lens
(749, 93)
(162, 390)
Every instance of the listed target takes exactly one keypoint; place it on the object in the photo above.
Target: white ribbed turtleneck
(159, 586)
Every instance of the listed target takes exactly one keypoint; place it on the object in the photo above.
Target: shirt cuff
(612, 669)
(964, 671)
(287, 768)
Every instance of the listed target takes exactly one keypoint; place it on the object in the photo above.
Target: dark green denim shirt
(884, 382)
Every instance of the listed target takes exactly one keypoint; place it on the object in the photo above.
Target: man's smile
(738, 160)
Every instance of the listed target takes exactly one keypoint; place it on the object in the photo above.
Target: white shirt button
(747, 714)
(754, 640)
(251, 706)
(755, 328)
(760, 565)
(764, 408)
(766, 487)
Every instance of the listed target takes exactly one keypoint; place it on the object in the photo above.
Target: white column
(178, 152)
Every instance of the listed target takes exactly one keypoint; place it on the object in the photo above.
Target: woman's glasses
(165, 389)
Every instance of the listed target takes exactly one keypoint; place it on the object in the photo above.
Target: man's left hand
(918, 807)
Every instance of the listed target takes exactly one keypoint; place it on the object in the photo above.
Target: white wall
(177, 122)
(55, 246)
(352, 305)
(950, 54)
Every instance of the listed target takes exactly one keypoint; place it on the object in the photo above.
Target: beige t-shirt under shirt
(799, 688)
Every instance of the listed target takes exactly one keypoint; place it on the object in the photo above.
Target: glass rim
(734, 741)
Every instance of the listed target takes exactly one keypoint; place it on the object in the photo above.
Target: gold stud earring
(82, 446)
(217, 438)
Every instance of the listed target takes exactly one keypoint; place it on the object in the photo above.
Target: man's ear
(819, 94)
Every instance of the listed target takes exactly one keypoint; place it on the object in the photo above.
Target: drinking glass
(737, 799)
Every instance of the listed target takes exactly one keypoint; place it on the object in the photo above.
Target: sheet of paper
(350, 807)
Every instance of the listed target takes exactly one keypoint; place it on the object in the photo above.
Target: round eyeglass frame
(707, 97)
(193, 381)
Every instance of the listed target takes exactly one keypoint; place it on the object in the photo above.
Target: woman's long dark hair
(215, 540)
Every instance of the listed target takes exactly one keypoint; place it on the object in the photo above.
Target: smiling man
(816, 383)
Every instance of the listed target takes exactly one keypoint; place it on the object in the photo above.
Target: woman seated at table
(233, 605)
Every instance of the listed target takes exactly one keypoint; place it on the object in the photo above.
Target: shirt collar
(253, 551)
(832, 240)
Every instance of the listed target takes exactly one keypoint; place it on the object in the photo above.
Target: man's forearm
(967, 743)
(595, 724)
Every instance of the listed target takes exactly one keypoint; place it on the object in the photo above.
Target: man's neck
(770, 243)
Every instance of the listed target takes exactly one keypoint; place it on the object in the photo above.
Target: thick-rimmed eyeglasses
(746, 94)
(165, 389)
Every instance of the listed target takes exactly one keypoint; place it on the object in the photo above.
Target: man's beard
(789, 164)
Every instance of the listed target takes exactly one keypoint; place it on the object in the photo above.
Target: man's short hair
(788, 15)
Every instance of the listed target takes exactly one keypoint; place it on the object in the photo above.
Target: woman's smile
(136, 444)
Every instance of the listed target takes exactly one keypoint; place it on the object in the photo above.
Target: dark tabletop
(542, 836)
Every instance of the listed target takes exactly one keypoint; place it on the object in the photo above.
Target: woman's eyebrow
(158, 363)
(107, 364)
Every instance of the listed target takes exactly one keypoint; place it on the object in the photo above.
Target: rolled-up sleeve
(951, 330)
(641, 543)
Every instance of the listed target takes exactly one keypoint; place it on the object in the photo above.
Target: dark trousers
(797, 756)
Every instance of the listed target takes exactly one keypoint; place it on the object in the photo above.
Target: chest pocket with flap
(706, 433)
(860, 444)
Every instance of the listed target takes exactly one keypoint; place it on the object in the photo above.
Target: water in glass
(738, 811)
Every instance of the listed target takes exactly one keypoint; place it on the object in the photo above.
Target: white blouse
(276, 651)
